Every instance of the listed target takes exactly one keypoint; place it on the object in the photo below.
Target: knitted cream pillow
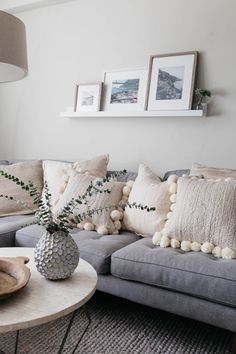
(106, 222)
(147, 190)
(56, 173)
(202, 217)
(25, 171)
(211, 172)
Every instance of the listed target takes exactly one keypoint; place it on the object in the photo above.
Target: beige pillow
(204, 216)
(25, 171)
(147, 190)
(211, 172)
(56, 173)
(102, 222)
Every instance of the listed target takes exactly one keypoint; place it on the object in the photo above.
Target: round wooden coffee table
(43, 300)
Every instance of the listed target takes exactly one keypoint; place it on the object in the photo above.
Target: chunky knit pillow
(202, 217)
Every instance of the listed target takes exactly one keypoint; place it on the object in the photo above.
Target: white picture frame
(125, 90)
(171, 81)
(88, 97)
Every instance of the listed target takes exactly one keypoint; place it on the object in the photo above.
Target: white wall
(78, 41)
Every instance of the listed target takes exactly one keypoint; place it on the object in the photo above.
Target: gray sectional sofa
(191, 284)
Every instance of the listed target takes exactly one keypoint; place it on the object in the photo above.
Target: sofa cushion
(9, 225)
(192, 273)
(94, 248)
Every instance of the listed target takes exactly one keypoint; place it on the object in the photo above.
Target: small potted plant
(202, 94)
(56, 253)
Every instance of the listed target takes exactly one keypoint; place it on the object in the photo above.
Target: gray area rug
(121, 327)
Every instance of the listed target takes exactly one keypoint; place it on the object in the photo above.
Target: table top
(44, 300)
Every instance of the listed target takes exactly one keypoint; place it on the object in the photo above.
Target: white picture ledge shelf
(144, 114)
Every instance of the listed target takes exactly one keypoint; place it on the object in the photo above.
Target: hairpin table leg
(69, 327)
(17, 340)
(86, 328)
(67, 332)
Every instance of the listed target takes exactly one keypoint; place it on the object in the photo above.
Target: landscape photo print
(125, 90)
(88, 97)
(171, 81)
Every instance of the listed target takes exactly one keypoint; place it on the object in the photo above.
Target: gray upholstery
(94, 248)
(9, 225)
(129, 176)
(4, 162)
(193, 273)
(170, 301)
(175, 172)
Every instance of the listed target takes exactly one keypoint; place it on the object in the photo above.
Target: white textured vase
(56, 255)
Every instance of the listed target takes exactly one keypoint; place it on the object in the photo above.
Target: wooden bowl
(14, 275)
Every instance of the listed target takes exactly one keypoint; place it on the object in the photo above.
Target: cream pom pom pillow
(147, 190)
(57, 173)
(105, 222)
(202, 217)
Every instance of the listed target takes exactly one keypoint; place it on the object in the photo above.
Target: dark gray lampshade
(13, 51)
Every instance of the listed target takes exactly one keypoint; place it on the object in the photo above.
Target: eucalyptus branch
(17, 201)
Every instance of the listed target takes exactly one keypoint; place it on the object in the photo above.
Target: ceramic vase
(56, 255)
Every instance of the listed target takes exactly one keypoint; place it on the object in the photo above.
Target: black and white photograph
(171, 81)
(125, 90)
(88, 97)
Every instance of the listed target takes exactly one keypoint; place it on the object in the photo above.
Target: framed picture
(125, 90)
(88, 97)
(171, 81)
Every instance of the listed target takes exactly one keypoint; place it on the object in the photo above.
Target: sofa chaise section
(94, 248)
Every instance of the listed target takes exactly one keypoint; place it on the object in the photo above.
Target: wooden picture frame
(171, 81)
(88, 97)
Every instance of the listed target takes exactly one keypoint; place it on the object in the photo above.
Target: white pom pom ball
(172, 179)
(207, 247)
(173, 198)
(156, 238)
(117, 224)
(186, 246)
(116, 215)
(174, 243)
(169, 215)
(126, 190)
(228, 253)
(173, 188)
(217, 252)
(89, 226)
(165, 242)
(195, 246)
(173, 206)
(102, 230)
